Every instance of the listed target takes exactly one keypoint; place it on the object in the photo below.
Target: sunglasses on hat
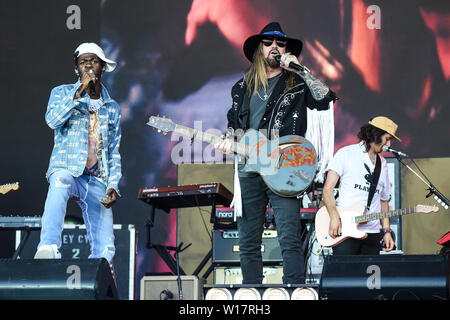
(268, 42)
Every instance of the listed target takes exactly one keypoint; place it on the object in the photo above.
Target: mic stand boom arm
(439, 197)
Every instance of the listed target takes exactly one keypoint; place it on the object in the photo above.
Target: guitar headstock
(8, 187)
(163, 124)
(426, 209)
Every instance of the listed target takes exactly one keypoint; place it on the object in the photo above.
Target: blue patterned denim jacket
(69, 118)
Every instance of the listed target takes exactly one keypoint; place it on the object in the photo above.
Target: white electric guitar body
(352, 217)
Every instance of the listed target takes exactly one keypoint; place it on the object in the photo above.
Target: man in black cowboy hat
(279, 100)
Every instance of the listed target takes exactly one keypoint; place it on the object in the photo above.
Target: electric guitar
(5, 188)
(287, 165)
(352, 216)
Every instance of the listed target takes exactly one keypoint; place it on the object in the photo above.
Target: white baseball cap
(91, 47)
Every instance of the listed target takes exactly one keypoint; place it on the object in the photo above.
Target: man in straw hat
(354, 166)
(277, 100)
(85, 164)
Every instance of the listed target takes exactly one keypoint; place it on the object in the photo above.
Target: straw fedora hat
(385, 124)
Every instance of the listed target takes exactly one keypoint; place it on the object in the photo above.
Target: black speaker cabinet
(49, 279)
(385, 277)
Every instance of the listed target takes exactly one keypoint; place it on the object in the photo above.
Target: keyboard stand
(163, 251)
(27, 228)
(23, 240)
(167, 198)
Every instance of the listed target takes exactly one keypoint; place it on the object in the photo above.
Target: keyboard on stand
(26, 223)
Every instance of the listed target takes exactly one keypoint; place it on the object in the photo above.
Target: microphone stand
(180, 288)
(439, 197)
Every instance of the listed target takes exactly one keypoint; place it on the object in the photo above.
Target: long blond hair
(256, 76)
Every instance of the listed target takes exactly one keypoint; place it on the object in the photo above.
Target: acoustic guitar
(287, 165)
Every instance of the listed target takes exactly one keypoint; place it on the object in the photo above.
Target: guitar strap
(373, 185)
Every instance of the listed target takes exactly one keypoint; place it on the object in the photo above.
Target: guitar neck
(382, 215)
(237, 147)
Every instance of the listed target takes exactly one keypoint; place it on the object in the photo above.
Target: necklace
(266, 96)
(271, 84)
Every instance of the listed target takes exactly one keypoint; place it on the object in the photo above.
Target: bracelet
(388, 230)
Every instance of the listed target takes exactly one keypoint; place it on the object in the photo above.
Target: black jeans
(367, 246)
(255, 197)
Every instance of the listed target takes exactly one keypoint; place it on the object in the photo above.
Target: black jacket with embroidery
(285, 110)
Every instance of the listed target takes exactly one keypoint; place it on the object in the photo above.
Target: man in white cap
(85, 164)
(355, 167)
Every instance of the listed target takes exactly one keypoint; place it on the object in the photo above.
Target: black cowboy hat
(272, 30)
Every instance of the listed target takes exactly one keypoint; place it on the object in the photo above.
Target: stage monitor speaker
(75, 245)
(166, 288)
(385, 277)
(56, 279)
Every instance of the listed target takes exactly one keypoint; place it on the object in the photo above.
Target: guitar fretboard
(237, 147)
(382, 215)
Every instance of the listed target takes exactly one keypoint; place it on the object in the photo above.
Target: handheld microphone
(293, 65)
(387, 149)
(91, 85)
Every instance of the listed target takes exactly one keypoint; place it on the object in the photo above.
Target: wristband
(388, 230)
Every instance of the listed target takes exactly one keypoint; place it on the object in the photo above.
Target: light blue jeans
(86, 191)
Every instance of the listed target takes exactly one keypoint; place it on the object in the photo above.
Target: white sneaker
(48, 251)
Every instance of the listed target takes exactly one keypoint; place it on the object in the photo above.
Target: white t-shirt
(353, 165)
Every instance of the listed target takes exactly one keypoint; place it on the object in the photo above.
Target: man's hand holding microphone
(88, 80)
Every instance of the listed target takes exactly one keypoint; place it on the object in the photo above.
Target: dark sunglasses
(268, 42)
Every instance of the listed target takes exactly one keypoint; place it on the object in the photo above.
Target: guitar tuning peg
(164, 117)
(164, 133)
(154, 129)
(159, 130)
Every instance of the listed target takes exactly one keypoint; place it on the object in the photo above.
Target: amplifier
(166, 288)
(75, 245)
(225, 244)
(233, 275)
